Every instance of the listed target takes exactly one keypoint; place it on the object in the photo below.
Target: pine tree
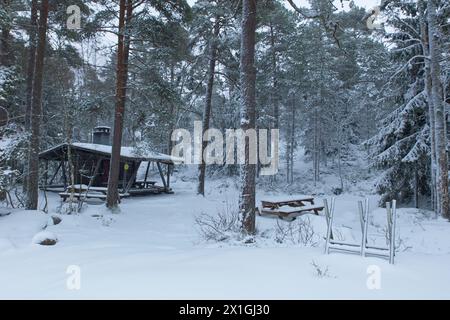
(248, 112)
(36, 110)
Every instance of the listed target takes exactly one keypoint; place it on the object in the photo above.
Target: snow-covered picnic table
(288, 208)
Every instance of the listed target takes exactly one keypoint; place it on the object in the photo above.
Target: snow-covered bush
(8, 187)
(220, 226)
(299, 232)
(321, 271)
(12, 148)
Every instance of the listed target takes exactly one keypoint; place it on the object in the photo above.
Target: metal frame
(363, 249)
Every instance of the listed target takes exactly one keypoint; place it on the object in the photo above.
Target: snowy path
(152, 250)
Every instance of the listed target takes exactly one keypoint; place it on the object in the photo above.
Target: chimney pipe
(101, 135)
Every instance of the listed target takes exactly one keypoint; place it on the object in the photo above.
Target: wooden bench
(289, 213)
(78, 196)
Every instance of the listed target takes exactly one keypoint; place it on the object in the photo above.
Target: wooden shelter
(91, 167)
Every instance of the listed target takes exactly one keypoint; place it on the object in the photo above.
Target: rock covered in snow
(45, 238)
(56, 220)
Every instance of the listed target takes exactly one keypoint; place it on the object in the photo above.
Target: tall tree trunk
(30, 75)
(36, 111)
(207, 111)
(274, 95)
(125, 13)
(31, 62)
(292, 138)
(5, 38)
(248, 112)
(171, 110)
(439, 112)
(428, 89)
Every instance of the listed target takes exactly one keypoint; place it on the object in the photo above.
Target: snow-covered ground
(153, 249)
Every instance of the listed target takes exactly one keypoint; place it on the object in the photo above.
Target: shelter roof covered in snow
(127, 153)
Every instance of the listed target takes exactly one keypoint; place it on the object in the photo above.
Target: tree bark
(125, 14)
(36, 111)
(208, 101)
(31, 62)
(5, 38)
(428, 89)
(30, 75)
(248, 112)
(439, 112)
(293, 122)
(274, 95)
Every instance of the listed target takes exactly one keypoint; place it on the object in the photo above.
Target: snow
(152, 249)
(42, 236)
(18, 228)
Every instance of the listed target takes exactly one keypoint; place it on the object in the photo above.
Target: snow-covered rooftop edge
(126, 152)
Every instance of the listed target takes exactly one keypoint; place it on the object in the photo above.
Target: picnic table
(290, 208)
(81, 191)
(289, 201)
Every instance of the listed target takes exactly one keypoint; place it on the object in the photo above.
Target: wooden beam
(46, 174)
(146, 171)
(169, 167)
(54, 175)
(132, 177)
(162, 176)
(63, 165)
(80, 203)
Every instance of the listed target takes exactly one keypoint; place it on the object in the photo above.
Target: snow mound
(19, 227)
(45, 238)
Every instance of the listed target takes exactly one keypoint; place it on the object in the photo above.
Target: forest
(342, 101)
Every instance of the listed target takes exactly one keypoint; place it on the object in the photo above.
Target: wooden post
(56, 172)
(63, 165)
(97, 166)
(169, 166)
(46, 174)
(146, 172)
(162, 176)
(124, 180)
(132, 177)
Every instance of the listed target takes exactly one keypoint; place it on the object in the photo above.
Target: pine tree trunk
(248, 112)
(36, 111)
(171, 110)
(292, 138)
(276, 111)
(31, 62)
(208, 99)
(30, 75)
(125, 13)
(439, 113)
(431, 121)
(5, 38)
